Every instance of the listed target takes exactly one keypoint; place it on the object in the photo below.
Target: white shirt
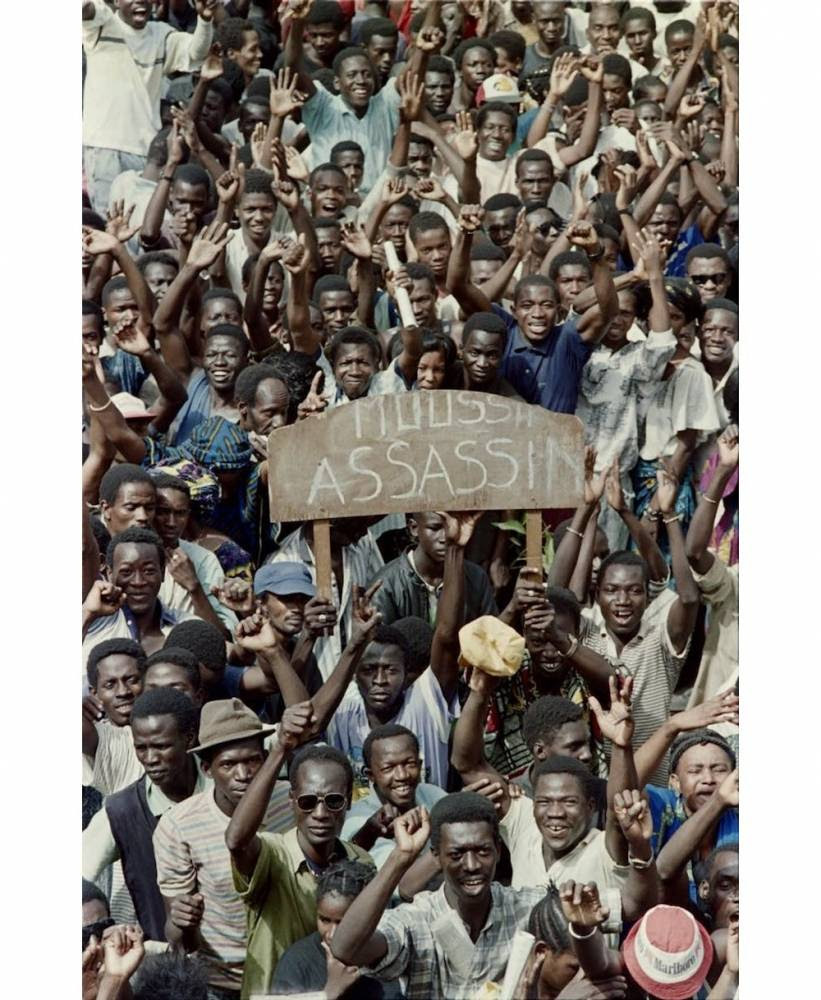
(685, 401)
(124, 76)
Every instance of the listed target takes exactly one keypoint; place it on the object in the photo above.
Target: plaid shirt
(430, 945)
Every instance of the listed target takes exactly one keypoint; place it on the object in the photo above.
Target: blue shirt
(193, 411)
(691, 237)
(125, 370)
(549, 373)
(667, 810)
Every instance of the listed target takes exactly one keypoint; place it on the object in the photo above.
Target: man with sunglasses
(96, 916)
(710, 270)
(275, 875)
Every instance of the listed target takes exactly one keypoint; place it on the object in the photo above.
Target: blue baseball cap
(284, 578)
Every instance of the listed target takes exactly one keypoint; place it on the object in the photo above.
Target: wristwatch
(597, 254)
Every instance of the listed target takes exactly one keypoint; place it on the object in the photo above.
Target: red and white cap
(668, 953)
(499, 87)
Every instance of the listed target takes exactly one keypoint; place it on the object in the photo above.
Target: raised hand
(634, 817)
(530, 588)
(364, 616)
(297, 725)
(612, 488)
(728, 447)
(583, 236)
(581, 904)
(465, 140)
(123, 950)
(119, 222)
(229, 185)
(430, 39)
(429, 188)
(258, 145)
(210, 243)
(490, 789)
(355, 240)
(320, 616)
(298, 9)
(93, 708)
(314, 403)
(97, 241)
(470, 218)
(459, 526)
(579, 200)
(648, 255)
(132, 336)
(625, 118)
(564, 71)
(732, 946)
(411, 90)
(256, 634)
(206, 9)
(237, 595)
(276, 249)
(593, 484)
(667, 490)
(296, 257)
(690, 106)
(616, 724)
(716, 169)
(182, 569)
(92, 963)
(721, 708)
(186, 911)
(394, 189)
(297, 168)
(103, 599)
(592, 69)
(175, 145)
(411, 832)
(539, 620)
(522, 241)
(286, 192)
(187, 128)
(643, 148)
(627, 177)
(285, 98)
(728, 790)
(212, 66)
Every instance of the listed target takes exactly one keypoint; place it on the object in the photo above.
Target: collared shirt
(329, 120)
(548, 373)
(360, 563)
(176, 598)
(719, 661)
(429, 944)
(649, 658)
(191, 856)
(383, 383)
(280, 902)
(99, 847)
(362, 810)
(124, 76)
(423, 710)
(608, 396)
(123, 625)
(682, 402)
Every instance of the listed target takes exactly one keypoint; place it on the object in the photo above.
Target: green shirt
(280, 903)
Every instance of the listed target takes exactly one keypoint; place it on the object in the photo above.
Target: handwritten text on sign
(419, 451)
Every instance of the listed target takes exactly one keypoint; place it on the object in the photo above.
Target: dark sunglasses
(96, 930)
(334, 802)
(702, 279)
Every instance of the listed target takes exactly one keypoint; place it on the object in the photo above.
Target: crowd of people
(451, 769)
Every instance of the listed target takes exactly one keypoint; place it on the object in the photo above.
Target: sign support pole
(533, 540)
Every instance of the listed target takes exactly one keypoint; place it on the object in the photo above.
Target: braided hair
(346, 879)
(548, 923)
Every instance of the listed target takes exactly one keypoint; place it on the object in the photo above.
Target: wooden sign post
(424, 451)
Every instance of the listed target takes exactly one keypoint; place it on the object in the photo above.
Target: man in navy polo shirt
(543, 360)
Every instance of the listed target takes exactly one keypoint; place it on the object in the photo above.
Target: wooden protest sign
(425, 451)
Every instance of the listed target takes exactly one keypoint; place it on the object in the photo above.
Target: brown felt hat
(228, 720)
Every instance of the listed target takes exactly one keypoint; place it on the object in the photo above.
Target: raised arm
(562, 74)
(471, 299)
(645, 543)
(678, 85)
(97, 242)
(356, 242)
(701, 527)
(566, 555)
(467, 753)
(681, 618)
(687, 840)
(91, 553)
(585, 913)
(252, 314)
(293, 55)
(112, 423)
(257, 635)
(155, 211)
(597, 671)
(444, 653)
(303, 337)
(356, 940)
(646, 204)
(459, 154)
(594, 321)
(593, 69)
(241, 835)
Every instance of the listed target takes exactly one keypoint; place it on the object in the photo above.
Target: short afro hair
(616, 65)
(258, 181)
(461, 807)
(490, 106)
(250, 379)
(487, 251)
(708, 251)
(353, 335)
(351, 52)
(164, 481)
(116, 284)
(439, 64)
(145, 260)
(193, 174)
(167, 701)
(388, 635)
(565, 600)
(426, 222)
(533, 281)
(221, 293)
(179, 657)
(326, 12)
(121, 475)
(698, 737)
(321, 753)
(417, 632)
(346, 146)
(645, 85)
(464, 47)
(487, 322)
(136, 536)
(113, 647)
(229, 330)
(385, 732)
(624, 558)
(570, 258)
(510, 42)
(202, 639)
(382, 27)
(566, 765)
(171, 975)
(230, 33)
(93, 894)
(546, 716)
(499, 202)
(325, 168)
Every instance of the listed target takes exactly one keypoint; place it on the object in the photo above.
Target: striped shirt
(649, 658)
(189, 846)
(430, 945)
(360, 564)
(115, 760)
